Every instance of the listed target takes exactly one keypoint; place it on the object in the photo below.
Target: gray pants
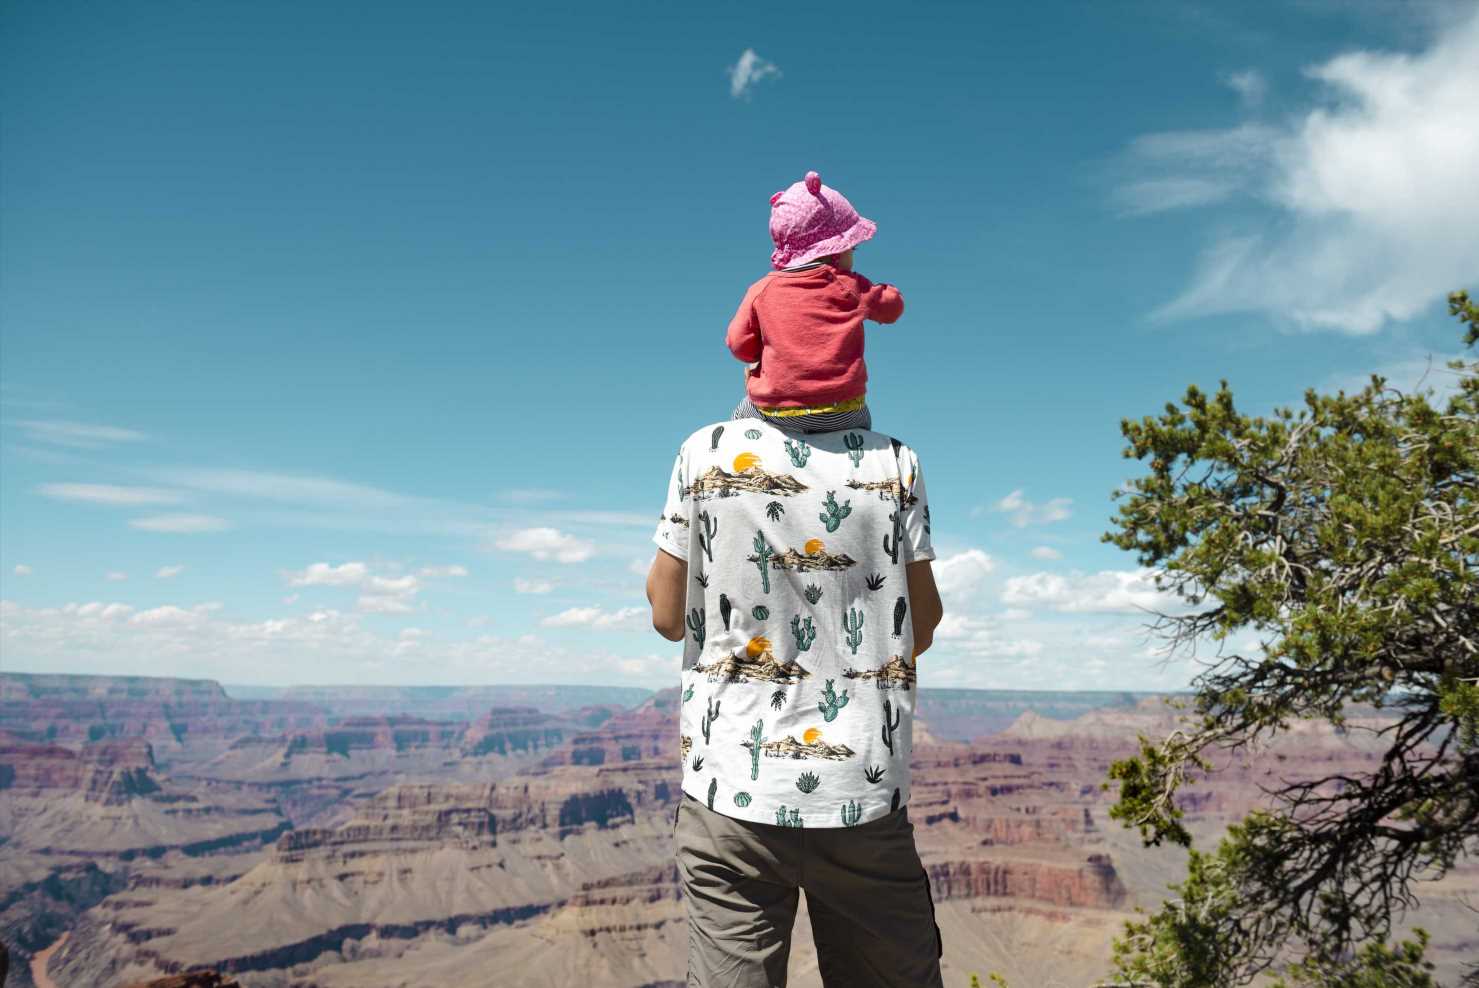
(872, 914)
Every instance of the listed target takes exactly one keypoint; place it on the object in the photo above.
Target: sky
(352, 343)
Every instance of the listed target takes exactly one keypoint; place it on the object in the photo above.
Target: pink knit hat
(811, 220)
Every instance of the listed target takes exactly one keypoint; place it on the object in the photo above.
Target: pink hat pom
(814, 183)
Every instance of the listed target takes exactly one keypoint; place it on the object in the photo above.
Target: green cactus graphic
(875, 581)
(725, 609)
(798, 451)
(759, 612)
(713, 791)
(833, 513)
(854, 444)
(894, 803)
(812, 593)
(696, 622)
(892, 546)
(926, 519)
(702, 580)
(741, 798)
(714, 438)
(710, 528)
(873, 773)
(757, 738)
(831, 703)
(698, 762)
(778, 699)
(889, 726)
(763, 552)
(708, 719)
(688, 694)
(852, 812)
(901, 608)
(793, 820)
(752, 433)
(852, 623)
(804, 634)
(807, 782)
(774, 510)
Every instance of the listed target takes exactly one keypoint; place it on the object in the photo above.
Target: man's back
(798, 666)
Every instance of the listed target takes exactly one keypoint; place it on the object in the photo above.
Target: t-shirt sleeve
(672, 530)
(917, 545)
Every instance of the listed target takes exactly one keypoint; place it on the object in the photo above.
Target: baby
(800, 328)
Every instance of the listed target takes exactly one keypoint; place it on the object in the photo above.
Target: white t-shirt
(798, 670)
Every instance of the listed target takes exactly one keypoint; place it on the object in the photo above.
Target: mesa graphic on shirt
(798, 664)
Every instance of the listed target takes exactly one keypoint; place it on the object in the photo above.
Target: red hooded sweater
(806, 330)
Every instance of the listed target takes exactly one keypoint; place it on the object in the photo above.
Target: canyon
(291, 839)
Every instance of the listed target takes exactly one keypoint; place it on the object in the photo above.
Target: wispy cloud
(1103, 592)
(1369, 206)
(78, 435)
(115, 576)
(441, 572)
(1249, 84)
(112, 494)
(547, 544)
(749, 71)
(522, 585)
(628, 618)
(531, 495)
(290, 488)
(1045, 552)
(1023, 512)
(328, 575)
(181, 524)
(21, 569)
(168, 572)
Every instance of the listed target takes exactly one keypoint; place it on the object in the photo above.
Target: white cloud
(531, 495)
(630, 618)
(547, 543)
(21, 569)
(748, 71)
(110, 494)
(168, 572)
(1045, 552)
(78, 435)
(1024, 512)
(962, 574)
(379, 594)
(1107, 591)
(384, 604)
(115, 576)
(1373, 204)
(639, 567)
(181, 524)
(328, 575)
(325, 646)
(522, 585)
(434, 572)
(294, 488)
(1250, 85)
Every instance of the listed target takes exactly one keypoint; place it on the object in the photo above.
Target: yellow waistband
(850, 405)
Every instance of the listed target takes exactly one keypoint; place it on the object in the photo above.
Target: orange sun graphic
(812, 547)
(757, 646)
(812, 734)
(745, 461)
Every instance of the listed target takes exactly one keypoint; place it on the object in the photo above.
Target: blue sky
(352, 343)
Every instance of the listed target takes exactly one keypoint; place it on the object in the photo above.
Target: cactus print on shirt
(799, 676)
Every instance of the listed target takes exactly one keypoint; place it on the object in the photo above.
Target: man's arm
(924, 604)
(667, 583)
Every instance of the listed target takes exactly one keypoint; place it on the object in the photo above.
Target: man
(796, 570)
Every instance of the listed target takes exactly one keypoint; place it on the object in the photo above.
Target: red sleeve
(743, 337)
(881, 302)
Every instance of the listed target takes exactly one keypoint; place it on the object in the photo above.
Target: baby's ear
(777, 197)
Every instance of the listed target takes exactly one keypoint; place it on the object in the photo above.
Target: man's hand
(667, 584)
